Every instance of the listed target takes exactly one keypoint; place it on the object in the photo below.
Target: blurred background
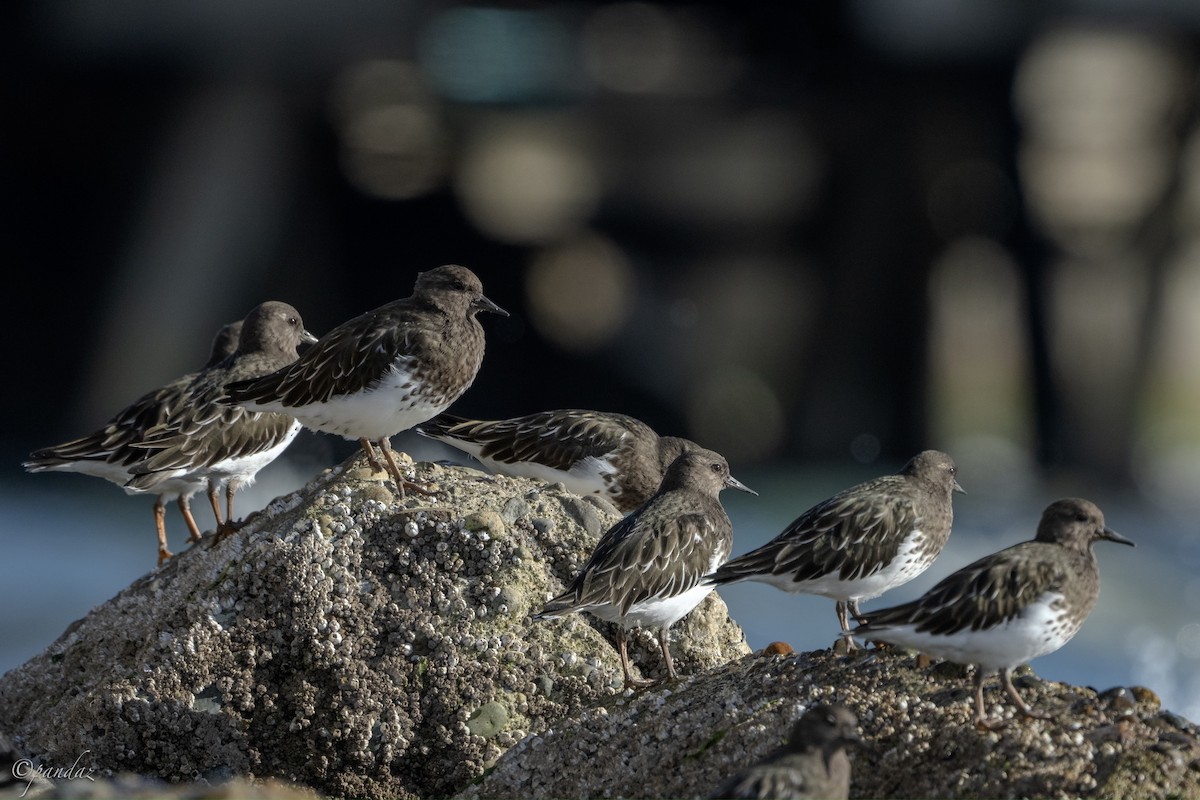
(817, 237)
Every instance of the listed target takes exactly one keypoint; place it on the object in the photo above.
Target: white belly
(241, 471)
(389, 408)
(585, 476)
(1040, 629)
(655, 613)
(181, 484)
(661, 612)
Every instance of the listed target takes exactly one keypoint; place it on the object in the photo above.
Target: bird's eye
(458, 285)
(831, 719)
(293, 321)
(1081, 517)
(716, 467)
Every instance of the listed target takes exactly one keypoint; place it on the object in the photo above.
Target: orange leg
(160, 522)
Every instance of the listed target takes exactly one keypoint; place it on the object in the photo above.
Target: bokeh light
(736, 412)
(1096, 105)
(580, 293)
(642, 48)
(392, 137)
(488, 54)
(528, 180)
(979, 370)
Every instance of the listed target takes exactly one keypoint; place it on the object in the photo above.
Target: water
(72, 542)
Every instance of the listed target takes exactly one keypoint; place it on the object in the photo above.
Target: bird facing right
(862, 541)
(202, 439)
(646, 570)
(386, 370)
(812, 764)
(1009, 607)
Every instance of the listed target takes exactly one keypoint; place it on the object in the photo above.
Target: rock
(346, 643)
(684, 740)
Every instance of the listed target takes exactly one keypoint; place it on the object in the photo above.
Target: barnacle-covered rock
(345, 641)
(685, 740)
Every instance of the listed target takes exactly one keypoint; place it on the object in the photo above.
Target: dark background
(167, 166)
(817, 237)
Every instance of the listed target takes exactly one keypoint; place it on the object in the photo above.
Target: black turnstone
(646, 570)
(589, 452)
(202, 438)
(862, 541)
(111, 451)
(386, 370)
(813, 763)
(1010, 607)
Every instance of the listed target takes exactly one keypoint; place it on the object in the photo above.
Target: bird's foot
(984, 724)
(405, 484)
(227, 529)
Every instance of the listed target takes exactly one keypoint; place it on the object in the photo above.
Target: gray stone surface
(344, 645)
(345, 642)
(684, 740)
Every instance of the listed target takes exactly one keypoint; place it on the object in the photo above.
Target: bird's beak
(958, 487)
(307, 337)
(734, 483)
(1113, 536)
(483, 304)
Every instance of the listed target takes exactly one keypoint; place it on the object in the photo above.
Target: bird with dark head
(1009, 607)
(862, 541)
(590, 452)
(384, 371)
(646, 570)
(201, 438)
(111, 451)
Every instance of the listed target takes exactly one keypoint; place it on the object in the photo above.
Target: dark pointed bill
(734, 483)
(484, 304)
(1113, 536)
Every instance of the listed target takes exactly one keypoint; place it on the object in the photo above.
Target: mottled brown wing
(644, 556)
(116, 441)
(851, 535)
(351, 357)
(990, 591)
(781, 776)
(202, 432)
(557, 439)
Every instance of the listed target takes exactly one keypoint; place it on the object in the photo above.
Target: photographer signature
(26, 770)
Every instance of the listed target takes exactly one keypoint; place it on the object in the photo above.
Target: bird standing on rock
(384, 371)
(202, 438)
(1010, 607)
(646, 570)
(862, 541)
(111, 451)
(589, 452)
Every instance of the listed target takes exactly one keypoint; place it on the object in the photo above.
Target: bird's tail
(557, 607)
